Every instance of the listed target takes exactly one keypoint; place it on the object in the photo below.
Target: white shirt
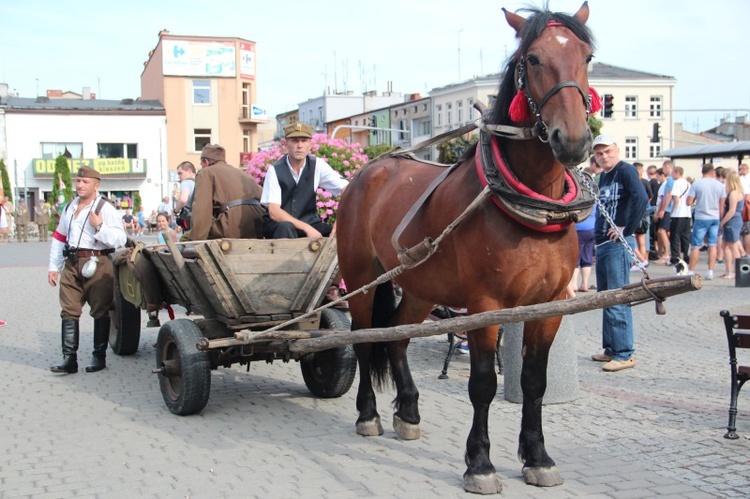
(681, 188)
(325, 177)
(745, 183)
(78, 232)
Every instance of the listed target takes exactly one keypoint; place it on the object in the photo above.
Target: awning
(707, 151)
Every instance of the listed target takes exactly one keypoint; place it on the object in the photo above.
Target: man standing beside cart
(226, 201)
(290, 186)
(89, 230)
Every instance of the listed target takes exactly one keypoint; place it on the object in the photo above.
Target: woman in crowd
(731, 223)
(162, 225)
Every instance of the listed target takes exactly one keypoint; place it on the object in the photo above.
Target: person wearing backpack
(88, 231)
(184, 201)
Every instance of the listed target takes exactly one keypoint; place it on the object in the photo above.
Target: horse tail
(383, 308)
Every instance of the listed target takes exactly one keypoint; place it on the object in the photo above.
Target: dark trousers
(679, 239)
(285, 230)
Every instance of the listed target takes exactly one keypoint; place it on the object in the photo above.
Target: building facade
(413, 120)
(123, 140)
(208, 88)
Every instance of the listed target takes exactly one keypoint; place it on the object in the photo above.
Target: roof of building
(599, 70)
(724, 150)
(47, 104)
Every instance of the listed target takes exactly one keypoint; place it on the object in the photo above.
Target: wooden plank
(197, 300)
(231, 278)
(326, 255)
(219, 287)
(663, 287)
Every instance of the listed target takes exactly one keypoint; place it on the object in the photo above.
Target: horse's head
(549, 77)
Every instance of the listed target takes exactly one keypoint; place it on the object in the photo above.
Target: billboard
(105, 166)
(198, 58)
(247, 60)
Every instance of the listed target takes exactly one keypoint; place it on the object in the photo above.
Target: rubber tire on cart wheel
(185, 389)
(125, 325)
(330, 373)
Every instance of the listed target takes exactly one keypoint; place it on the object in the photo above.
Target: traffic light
(655, 136)
(608, 105)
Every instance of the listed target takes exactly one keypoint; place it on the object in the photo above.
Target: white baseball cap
(603, 140)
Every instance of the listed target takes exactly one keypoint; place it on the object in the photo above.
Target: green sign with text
(105, 166)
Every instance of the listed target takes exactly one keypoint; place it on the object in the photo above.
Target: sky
(304, 48)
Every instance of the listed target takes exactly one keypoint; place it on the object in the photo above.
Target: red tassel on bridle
(519, 108)
(520, 111)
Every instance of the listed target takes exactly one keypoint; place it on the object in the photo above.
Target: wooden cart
(238, 285)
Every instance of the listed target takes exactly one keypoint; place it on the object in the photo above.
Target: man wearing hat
(42, 220)
(22, 221)
(289, 189)
(226, 201)
(89, 230)
(624, 199)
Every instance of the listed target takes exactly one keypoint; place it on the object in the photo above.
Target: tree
(62, 170)
(373, 152)
(137, 202)
(6, 181)
(451, 151)
(595, 125)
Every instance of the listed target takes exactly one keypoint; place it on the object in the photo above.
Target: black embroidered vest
(298, 198)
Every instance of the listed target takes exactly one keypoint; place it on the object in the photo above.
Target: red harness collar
(522, 189)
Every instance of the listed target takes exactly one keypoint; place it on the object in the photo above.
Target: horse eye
(589, 59)
(533, 60)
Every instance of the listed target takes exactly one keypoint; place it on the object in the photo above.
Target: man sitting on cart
(290, 186)
(226, 201)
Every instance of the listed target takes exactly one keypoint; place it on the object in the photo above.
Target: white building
(319, 111)
(124, 140)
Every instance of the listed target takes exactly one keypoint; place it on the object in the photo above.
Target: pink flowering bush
(343, 157)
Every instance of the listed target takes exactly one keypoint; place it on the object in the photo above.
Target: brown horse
(492, 260)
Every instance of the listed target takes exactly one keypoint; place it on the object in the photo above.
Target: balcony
(252, 114)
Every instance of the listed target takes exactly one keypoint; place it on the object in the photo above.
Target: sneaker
(463, 347)
(709, 275)
(618, 365)
(719, 261)
(601, 357)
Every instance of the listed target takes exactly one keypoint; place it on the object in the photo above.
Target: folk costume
(76, 248)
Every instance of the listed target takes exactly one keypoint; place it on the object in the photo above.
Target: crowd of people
(663, 217)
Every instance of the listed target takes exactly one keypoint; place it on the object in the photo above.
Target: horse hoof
(483, 484)
(405, 430)
(542, 477)
(371, 428)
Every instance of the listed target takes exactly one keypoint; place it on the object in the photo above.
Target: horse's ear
(583, 13)
(514, 20)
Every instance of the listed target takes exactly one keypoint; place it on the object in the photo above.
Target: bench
(738, 336)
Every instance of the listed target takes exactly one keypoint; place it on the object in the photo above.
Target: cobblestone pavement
(656, 430)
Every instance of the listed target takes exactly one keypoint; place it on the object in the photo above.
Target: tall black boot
(101, 340)
(69, 348)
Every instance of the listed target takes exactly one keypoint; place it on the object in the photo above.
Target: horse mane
(531, 30)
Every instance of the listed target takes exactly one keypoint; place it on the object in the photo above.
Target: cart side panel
(272, 273)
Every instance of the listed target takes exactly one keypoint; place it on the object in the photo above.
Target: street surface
(656, 430)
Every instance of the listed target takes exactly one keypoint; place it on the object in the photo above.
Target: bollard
(742, 272)
(562, 368)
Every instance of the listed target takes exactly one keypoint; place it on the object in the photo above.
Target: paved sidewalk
(656, 430)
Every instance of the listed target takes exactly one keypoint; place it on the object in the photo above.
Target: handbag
(746, 212)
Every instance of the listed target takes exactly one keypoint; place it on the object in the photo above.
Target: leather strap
(416, 207)
(237, 202)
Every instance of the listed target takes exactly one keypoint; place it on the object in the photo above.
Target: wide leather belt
(92, 252)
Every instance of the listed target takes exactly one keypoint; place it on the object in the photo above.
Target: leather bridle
(536, 109)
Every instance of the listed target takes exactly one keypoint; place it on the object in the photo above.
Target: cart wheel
(125, 325)
(330, 373)
(184, 372)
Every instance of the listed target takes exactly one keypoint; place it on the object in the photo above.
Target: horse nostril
(555, 136)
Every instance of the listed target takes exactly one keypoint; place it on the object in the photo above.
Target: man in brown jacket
(42, 220)
(226, 201)
(22, 221)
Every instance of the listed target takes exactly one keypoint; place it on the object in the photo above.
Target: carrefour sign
(105, 166)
